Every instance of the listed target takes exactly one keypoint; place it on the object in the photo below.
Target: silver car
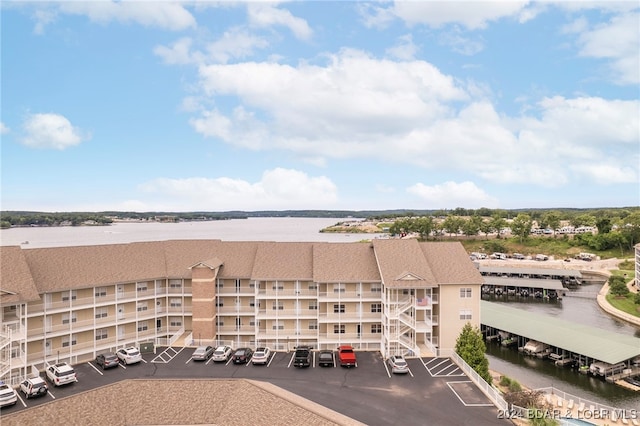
(222, 353)
(398, 364)
(261, 356)
(202, 353)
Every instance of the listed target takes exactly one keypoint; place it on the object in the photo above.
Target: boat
(560, 360)
(533, 347)
(509, 342)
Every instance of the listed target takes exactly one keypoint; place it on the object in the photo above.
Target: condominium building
(393, 296)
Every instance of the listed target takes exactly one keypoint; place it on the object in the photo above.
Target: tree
(452, 224)
(583, 220)
(550, 220)
(618, 286)
(424, 225)
(471, 349)
(471, 226)
(521, 226)
(497, 223)
(604, 225)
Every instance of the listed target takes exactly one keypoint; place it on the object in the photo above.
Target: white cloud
(465, 45)
(268, 15)
(356, 106)
(404, 49)
(52, 131)
(4, 129)
(472, 15)
(178, 53)
(43, 17)
(163, 14)
(453, 194)
(617, 41)
(277, 189)
(235, 43)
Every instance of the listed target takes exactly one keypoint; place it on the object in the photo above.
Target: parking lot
(434, 391)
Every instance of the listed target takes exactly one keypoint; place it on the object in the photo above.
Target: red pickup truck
(346, 356)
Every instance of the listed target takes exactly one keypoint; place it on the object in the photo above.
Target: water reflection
(536, 373)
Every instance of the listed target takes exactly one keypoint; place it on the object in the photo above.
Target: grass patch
(624, 304)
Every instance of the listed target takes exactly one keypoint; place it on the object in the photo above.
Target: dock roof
(515, 270)
(524, 282)
(596, 343)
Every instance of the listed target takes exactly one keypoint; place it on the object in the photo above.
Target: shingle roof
(399, 263)
(450, 263)
(19, 285)
(344, 262)
(285, 261)
(403, 264)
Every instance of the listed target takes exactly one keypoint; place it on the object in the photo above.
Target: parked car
(107, 360)
(202, 353)
(130, 355)
(347, 356)
(222, 353)
(261, 356)
(325, 359)
(34, 386)
(8, 395)
(398, 364)
(242, 355)
(61, 374)
(302, 357)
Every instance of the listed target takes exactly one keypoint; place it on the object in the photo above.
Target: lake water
(252, 229)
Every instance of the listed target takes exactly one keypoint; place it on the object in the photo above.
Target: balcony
(236, 310)
(351, 295)
(286, 334)
(286, 293)
(350, 317)
(230, 329)
(287, 314)
(233, 291)
(348, 337)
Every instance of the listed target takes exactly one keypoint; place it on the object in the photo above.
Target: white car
(222, 353)
(61, 374)
(261, 356)
(130, 355)
(398, 364)
(8, 395)
(34, 386)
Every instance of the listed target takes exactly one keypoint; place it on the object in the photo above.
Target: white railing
(492, 393)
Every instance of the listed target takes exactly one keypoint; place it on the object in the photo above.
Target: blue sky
(215, 106)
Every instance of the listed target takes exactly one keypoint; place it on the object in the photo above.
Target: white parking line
(410, 372)
(272, 357)
(96, 368)
(51, 395)
(21, 401)
(187, 362)
(291, 360)
(122, 365)
(386, 369)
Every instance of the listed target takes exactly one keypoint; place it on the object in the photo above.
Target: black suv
(242, 355)
(302, 357)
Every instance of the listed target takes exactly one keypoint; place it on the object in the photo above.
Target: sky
(345, 105)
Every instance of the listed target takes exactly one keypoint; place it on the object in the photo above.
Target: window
(338, 309)
(101, 291)
(65, 318)
(220, 284)
(278, 325)
(102, 334)
(465, 292)
(175, 284)
(177, 322)
(143, 326)
(338, 329)
(376, 289)
(277, 286)
(313, 325)
(219, 303)
(238, 284)
(338, 288)
(313, 305)
(252, 303)
(66, 342)
(376, 307)
(465, 314)
(277, 306)
(102, 312)
(142, 306)
(175, 303)
(252, 285)
(313, 287)
(142, 287)
(252, 322)
(71, 295)
(376, 328)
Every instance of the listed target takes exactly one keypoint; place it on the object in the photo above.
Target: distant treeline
(29, 218)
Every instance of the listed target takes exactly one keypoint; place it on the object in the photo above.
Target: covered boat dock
(537, 287)
(585, 345)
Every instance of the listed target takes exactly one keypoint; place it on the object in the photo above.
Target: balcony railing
(350, 316)
(241, 310)
(286, 333)
(286, 313)
(286, 292)
(351, 294)
(230, 290)
(229, 329)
